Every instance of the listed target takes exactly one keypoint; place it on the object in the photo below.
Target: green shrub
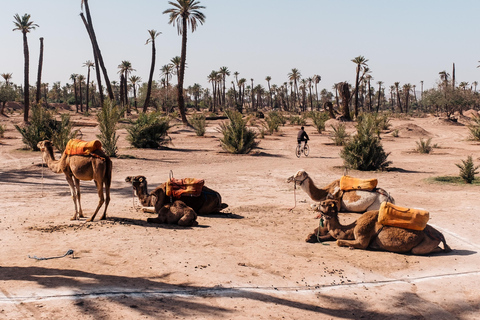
(237, 138)
(423, 146)
(395, 133)
(467, 170)
(365, 152)
(384, 121)
(273, 121)
(319, 119)
(40, 128)
(475, 128)
(296, 120)
(63, 132)
(108, 118)
(339, 135)
(199, 124)
(149, 131)
(2, 131)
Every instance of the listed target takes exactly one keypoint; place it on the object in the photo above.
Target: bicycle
(299, 150)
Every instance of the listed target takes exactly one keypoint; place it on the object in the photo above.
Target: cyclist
(302, 136)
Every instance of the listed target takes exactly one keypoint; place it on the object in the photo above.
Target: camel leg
(107, 200)
(360, 243)
(101, 199)
(77, 188)
(428, 245)
(71, 184)
(188, 219)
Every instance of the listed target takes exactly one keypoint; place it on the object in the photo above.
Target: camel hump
(81, 147)
(348, 183)
(407, 218)
(182, 187)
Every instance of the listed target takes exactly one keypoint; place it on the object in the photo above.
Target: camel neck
(313, 192)
(49, 158)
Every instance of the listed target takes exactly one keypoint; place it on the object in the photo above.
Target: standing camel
(95, 166)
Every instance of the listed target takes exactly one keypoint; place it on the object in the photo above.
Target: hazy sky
(406, 41)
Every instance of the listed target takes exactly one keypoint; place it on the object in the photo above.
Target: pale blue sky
(405, 41)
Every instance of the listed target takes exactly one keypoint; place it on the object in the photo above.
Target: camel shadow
(144, 223)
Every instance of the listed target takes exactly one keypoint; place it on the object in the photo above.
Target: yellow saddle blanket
(348, 183)
(80, 147)
(407, 218)
(184, 187)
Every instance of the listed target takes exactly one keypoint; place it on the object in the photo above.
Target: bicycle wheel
(298, 151)
(306, 150)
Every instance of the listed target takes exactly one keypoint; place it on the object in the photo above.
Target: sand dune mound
(412, 130)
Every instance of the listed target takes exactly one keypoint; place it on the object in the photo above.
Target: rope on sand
(69, 252)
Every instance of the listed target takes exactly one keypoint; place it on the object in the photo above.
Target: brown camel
(351, 201)
(368, 233)
(208, 202)
(176, 213)
(97, 167)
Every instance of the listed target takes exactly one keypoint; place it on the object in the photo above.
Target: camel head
(44, 145)
(139, 184)
(328, 208)
(298, 177)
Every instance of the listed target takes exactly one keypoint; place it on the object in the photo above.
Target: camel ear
(141, 179)
(330, 196)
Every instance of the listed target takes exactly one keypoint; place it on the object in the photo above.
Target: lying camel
(176, 213)
(208, 202)
(368, 233)
(351, 201)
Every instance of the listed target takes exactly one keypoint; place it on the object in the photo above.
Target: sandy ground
(250, 263)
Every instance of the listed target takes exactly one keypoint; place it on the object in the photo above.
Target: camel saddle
(407, 218)
(80, 147)
(348, 183)
(184, 187)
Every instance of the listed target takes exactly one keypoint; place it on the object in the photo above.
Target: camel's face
(300, 176)
(42, 145)
(139, 184)
(328, 208)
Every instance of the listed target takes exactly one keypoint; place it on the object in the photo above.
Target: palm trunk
(75, 92)
(181, 102)
(39, 74)
(86, 94)
(150, 78)
(356, 90)
(26, 91)
(81, 98)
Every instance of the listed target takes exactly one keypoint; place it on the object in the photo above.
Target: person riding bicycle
(302, 136)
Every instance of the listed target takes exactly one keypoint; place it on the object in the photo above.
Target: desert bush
(467, 170)
(108, 118)
(237, 138)
(424, 146)
(39, 128)
(364, 151)
(199, 124)
(273, 122)
(339, 134)
(319, 119)
(150, 130)
(383, 121)
(395, 133)
(63, 132)
(2, 131)
(475, 128)
(296, 120)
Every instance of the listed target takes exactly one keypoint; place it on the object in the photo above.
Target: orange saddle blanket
(348, 183)
(80, 147)
(184, 187)
(407, 218)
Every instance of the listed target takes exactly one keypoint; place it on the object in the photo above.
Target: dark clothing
(302, 136)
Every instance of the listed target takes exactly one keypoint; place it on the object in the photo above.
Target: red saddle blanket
(80, 147)
(184, 187)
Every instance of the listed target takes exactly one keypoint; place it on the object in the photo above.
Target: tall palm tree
(125, 68)
(7, 77)
(241, 92)
(316, 80)
(475, 84)
(89, 64)
(134, 80)
(153, 35)
(407, 87)
(268, 78)
(398, 97)
(361, 62)
(185, 13)
(96, 49)
(310, 81)
(24, 25)
(167, 71)
(196, 90)
(176, 61)
(80, 79)
(39, 74)
(73, 77)
(224, 72)
(380, 83)
(369, 78)
(294, 76)
(344, 92)
(212, 78)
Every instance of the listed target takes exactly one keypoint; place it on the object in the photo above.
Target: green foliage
(108, 118)
(395, 133)
(365, 152)
(339, 135)
(467, 170)
(384, 121)
(452, 179)
(424, 146)
(2, 131)
(475, 128)
(7, 93)
(150, 130)
(199, 124)
(237, 138)
(63, 132)
(296, 120)
(40, 128)
(273, 121)
(319, 119)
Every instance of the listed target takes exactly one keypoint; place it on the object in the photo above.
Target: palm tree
(344, 92)
(125, 68)
(310, 81)
(167, 71)
(73, 77)
(96, 50)
(475, 84)
(316, 80)
(268, 78)
(224, 72)
(407, 87)
(398, 97)
(153, 34)
(134, 80)
(89, 64)
(212, 78)
(80, 79)
(39, 74)
(241, 92)
(24, 25)
(380, 83)
(184, 13)
(294, 76)
(361, 62)
(196, 90)
(7, 77)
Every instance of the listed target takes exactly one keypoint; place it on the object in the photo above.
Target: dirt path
(251, 263)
